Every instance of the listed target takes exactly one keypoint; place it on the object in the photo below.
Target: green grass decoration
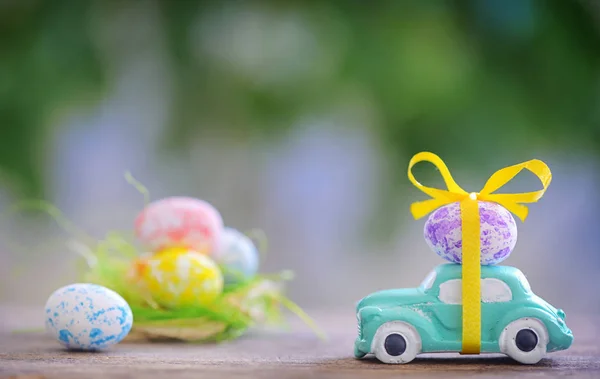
(108, 262)
(238, 308)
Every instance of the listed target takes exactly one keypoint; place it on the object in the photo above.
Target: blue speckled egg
(87, 316)
(237, 256)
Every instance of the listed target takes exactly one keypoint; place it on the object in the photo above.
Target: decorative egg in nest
(179, 222)
(86, 316)
(180, 277)
(237, 255)
(498, 232)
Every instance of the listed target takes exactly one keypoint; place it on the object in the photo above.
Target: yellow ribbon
(471, 270)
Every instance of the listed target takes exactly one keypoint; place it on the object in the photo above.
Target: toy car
(396, 325)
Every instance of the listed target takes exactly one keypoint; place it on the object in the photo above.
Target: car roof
(449, 271)
(512, 276)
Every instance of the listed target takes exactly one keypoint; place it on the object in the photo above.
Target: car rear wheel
(524, 340)
(396, 342)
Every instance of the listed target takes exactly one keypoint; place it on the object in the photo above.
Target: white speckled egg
(87, 317)
(237, 255)
(179, 222)
(498, 232)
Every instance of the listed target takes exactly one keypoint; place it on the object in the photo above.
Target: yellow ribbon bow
(469, 208)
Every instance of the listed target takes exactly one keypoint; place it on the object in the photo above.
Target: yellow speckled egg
(180, 277)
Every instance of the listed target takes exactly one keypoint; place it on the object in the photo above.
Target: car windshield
(428, 281)
(523, 280)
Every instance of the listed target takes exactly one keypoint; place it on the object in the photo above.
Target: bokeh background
(299, 118)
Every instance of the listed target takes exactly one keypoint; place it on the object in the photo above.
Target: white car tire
(524, 340)
(396, 342)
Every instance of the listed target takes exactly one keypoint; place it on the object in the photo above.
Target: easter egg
(179, 222)
(498, 232)
(179, 277)
(237, 255)
(87, 317)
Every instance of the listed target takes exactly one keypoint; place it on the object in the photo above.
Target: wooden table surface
(276, 354)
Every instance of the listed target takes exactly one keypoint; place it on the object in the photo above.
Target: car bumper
(562, 342)
(360, 349)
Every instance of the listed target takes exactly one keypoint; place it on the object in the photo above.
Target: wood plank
(277, 354)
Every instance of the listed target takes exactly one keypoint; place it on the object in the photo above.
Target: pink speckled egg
(179, 222)
(498, 232)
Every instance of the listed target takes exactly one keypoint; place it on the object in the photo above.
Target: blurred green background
(299, 117)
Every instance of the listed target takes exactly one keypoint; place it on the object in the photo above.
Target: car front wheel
(524, 340)
(396, 342)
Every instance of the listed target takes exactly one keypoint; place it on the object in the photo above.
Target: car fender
(545, 317)
(373, 317)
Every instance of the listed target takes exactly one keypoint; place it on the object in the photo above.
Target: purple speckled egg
(443, 232)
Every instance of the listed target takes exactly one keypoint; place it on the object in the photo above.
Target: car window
(428, 281)
(451, 292)
(492, 291)
(495, 291)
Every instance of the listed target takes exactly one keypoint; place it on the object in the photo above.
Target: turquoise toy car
(396, 325)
